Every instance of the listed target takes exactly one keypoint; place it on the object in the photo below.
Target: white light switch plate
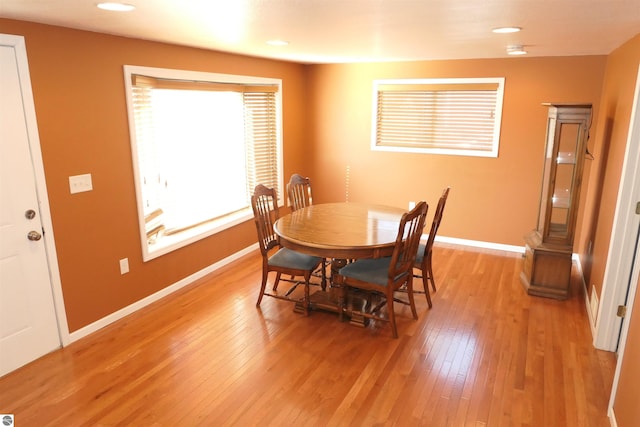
(80, 183)
(124, 265)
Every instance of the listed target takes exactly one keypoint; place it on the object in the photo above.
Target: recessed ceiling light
(116, 7)
(516, 49)
(506, 30)
(278, 43)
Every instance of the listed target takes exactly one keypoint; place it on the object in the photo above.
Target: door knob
(34, 235)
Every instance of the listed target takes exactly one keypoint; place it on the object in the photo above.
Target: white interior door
(28, 324)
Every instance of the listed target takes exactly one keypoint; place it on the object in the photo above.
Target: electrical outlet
(412, 205)
(124, 265)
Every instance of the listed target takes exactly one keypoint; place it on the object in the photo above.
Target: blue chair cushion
(369, 270)
(420, 254)
(287, 258)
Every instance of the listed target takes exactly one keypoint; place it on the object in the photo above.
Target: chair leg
(412, 302)
(262, 286)
(425, 285)
(307, 278)
(323, 273)
(429, 272)
(392, 315)
(276, 282)
(342, 296)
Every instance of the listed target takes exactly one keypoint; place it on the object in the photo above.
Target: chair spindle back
(299, 192)
(265, 212)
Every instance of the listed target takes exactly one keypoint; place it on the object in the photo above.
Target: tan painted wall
(617, 100)
(609, 145)
(491, 199)
(78, 85)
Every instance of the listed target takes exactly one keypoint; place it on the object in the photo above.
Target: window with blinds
(201, 142)
(439, 116)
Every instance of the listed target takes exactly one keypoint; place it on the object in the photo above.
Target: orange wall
(78, 86)
(617, 103)
(492, 199)
(610, 142)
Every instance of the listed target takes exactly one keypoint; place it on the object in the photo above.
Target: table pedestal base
(329, 300)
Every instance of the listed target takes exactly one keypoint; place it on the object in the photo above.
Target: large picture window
(200, 143)
(440, 116)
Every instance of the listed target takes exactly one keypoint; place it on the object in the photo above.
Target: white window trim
(171, 243)
(458, 152)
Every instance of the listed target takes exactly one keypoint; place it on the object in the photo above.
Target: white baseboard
(107, 320)
(592, 320)
(612, 418)
(480, 244)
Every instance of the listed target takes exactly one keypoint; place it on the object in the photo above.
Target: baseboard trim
(612, 418)
(117, 315)
(592, 320)
(480, 244)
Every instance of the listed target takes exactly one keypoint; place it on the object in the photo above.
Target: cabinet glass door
(549, 163)
(563, 183)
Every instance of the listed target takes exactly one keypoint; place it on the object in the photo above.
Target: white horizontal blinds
(148, 166)
(161, 83)
(441, 116)
(261, 134)
(206, 164)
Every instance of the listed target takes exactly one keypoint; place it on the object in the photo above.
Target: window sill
(168, 243)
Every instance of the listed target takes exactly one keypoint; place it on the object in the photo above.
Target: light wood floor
(487, 354)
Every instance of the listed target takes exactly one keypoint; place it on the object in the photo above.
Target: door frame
(619, 266)
(20, 49)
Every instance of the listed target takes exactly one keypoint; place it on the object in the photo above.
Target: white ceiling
(335, 31)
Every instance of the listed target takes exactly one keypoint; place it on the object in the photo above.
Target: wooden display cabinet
(549, 248)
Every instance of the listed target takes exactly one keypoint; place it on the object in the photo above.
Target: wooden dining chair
(386, 275)
(299, 192)
(424, 256)
(264, 202)
(300, 196)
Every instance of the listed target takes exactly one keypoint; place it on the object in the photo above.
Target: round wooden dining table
(341, 230)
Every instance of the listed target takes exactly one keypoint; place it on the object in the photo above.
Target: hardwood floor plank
(486, 354)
